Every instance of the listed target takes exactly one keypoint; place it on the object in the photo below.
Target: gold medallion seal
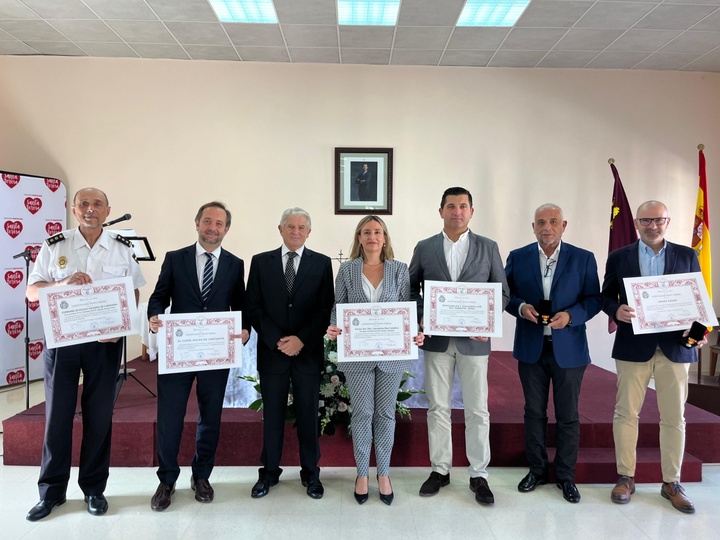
(62, 262)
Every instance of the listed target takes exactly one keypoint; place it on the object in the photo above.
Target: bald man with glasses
(640, 358)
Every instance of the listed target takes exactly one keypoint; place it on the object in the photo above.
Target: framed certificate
(669, 302)
(462, 309)
(199, 342)
(377, 331)
(73, 314)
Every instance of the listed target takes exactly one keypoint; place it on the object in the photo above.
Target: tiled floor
(288, 512)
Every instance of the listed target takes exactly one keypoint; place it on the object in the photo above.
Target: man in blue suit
(200, 278)
(551, 343)
(639, 358)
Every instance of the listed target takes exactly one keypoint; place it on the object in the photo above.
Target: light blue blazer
(349, 290)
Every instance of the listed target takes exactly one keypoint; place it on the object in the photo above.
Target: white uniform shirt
(109, 258)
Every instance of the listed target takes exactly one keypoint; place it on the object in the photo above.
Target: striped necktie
(290, 270)
(207, 277)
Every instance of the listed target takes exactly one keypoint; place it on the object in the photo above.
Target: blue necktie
(207, 277)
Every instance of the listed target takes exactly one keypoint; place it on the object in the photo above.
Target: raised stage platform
(241, 436)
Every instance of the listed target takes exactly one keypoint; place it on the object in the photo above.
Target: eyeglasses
(548, 267)
(645, 221)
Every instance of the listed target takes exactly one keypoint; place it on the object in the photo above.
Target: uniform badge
(62, 262)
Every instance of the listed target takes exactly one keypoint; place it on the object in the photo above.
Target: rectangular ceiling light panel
(245, 11)
(368, 12)
(492, 12)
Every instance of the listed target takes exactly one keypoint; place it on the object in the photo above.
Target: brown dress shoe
(675, 493)
(204, 492)
(622, 491)
(163, 497)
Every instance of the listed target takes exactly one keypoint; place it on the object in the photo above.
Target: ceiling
(641, 34)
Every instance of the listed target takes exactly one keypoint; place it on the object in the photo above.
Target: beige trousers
(439, 377)
(671, 387)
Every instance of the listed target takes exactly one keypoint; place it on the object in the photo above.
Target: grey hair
(295, 211)
(549, 206)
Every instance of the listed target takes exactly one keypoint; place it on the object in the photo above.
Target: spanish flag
(701, 229)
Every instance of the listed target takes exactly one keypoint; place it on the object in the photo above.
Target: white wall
(164, 136)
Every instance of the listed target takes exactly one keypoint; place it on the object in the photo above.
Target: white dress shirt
(456, 253)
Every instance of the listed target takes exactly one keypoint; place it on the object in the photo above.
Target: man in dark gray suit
(457, 254)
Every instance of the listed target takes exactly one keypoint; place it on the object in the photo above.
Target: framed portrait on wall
(363, 180)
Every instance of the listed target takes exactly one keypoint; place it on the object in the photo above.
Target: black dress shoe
(361, 498)
(433, 484)
(262, 487)
(43, 508)
(315, 488)
(480, 487)
(204, 492)
(163, 497)
(569, 490)
(530, 482)
(97, 504)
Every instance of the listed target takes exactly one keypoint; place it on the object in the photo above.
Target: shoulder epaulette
(123, 240)
(59, 237)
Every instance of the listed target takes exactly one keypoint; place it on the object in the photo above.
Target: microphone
(118, 220)
(27, 253)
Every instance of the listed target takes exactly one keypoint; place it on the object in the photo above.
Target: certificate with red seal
(74, 314)
(199, 341)
(377, 331)
(669, 302)
(461, 309)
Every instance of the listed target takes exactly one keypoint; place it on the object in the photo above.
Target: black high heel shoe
(387, 499)
(361, 498)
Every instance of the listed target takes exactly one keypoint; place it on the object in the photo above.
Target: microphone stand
(27, 255)
(122, 377)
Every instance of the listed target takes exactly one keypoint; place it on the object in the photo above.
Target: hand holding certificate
(462, 309)
(668, 302)
(199, 341)
(377, 331)
(101, 310)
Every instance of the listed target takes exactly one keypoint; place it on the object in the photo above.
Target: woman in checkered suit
(372, 275)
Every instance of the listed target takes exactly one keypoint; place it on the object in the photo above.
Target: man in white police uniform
(78, 257)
